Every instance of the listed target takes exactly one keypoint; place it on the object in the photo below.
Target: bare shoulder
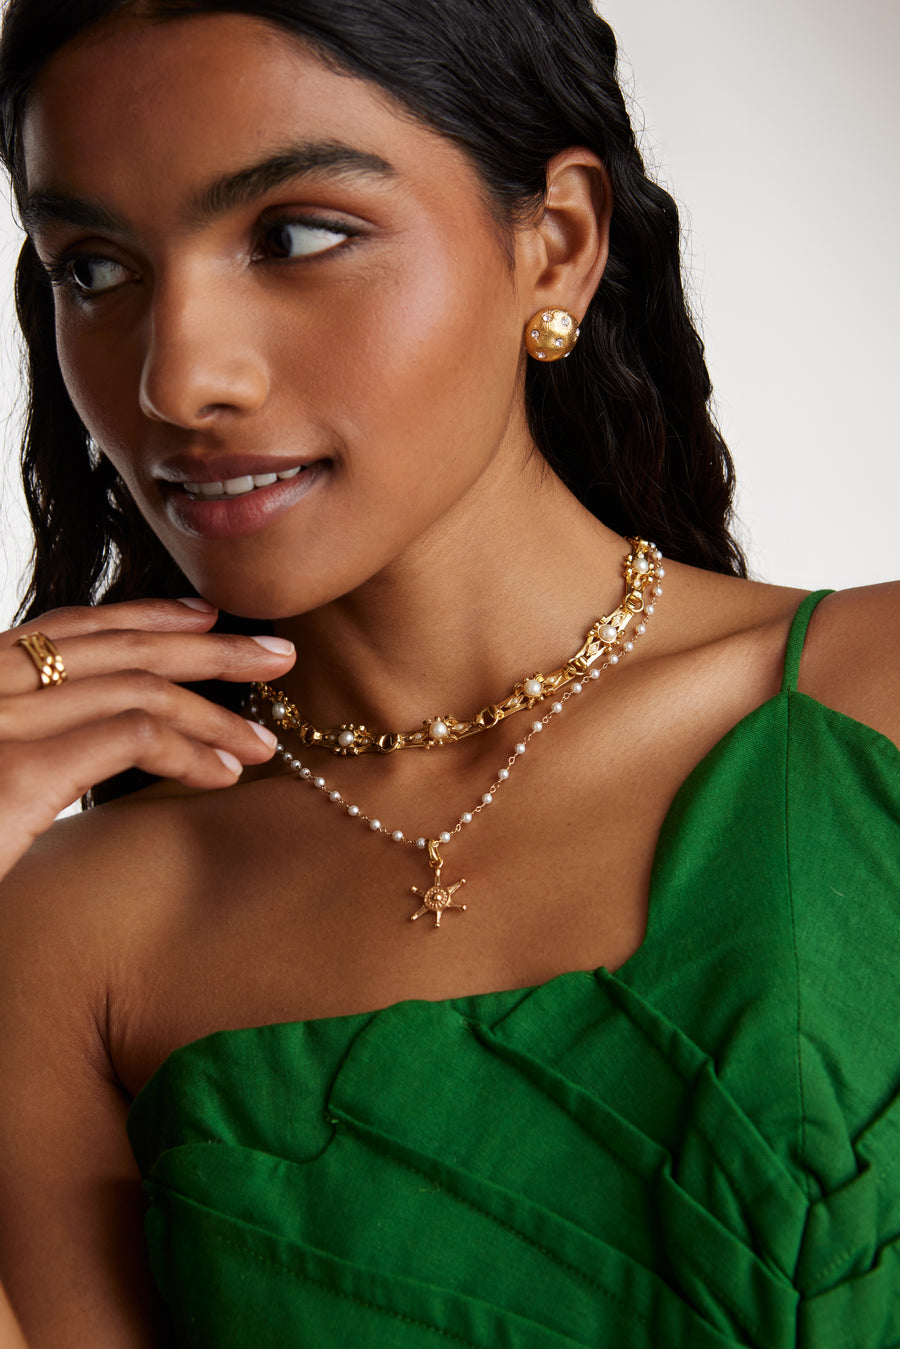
(90, 881)
(851, 655)
(69, 1189)
(851, 660)
(709, 607)
(78, 913)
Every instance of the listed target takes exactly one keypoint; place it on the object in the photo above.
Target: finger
(40, 778)
(37, 716)
(188, 615)
(180, 657)
(191, 615)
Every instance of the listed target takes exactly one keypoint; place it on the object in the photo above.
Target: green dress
(701, 1150)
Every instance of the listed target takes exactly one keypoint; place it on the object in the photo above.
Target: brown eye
(301, 239)
(93, 275)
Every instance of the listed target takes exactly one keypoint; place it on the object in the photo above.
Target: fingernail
(269, 738)
(277, 645)
(231, 763)
(203, 606)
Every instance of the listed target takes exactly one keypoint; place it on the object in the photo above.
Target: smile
(237, 487)
(230, 508)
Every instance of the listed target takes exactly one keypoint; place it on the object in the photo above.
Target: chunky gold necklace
(641, 570)
(438, 897)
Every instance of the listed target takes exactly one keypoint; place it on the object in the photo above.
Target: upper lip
(184, 468)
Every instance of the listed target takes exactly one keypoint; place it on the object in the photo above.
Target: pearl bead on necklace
(605, 639)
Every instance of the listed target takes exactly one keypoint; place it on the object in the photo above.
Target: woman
(633, 1082)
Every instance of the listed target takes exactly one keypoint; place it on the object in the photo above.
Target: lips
(236, 504)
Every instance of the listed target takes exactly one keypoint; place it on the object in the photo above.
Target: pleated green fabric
(701, 1150)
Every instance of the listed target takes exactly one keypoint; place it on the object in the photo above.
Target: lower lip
(228, 517)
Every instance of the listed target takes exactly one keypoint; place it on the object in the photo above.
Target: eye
(287, 239)
(92, 276)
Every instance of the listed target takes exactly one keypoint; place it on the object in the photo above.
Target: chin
(272, 582)
(255, 604)
(258, 598)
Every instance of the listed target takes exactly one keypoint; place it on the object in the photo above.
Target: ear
(562, 253)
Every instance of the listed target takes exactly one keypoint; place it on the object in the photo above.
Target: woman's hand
(120, 707)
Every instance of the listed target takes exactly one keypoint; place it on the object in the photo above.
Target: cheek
(99, 375)
(429, 358)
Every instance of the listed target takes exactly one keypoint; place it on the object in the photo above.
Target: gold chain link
(639, 570)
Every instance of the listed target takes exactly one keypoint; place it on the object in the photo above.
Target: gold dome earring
(550, 334)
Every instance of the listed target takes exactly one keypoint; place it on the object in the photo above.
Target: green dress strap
(797, 637)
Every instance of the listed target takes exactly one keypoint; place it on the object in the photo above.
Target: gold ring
(47, 660)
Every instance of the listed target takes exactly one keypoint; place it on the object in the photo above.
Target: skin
(10, 1331)
(432, 562)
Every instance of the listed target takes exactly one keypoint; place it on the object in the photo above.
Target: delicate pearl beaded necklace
(439, 896)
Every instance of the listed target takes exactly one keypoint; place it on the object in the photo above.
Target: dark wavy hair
(626, 422)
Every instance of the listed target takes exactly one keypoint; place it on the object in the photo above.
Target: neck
(505, 588)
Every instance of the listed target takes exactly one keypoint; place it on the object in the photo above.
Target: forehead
(165, 106)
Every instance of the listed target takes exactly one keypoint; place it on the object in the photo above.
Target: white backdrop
(776, 125)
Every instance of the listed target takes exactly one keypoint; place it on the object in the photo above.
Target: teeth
(236, 487)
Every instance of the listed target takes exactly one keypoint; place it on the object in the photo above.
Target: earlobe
(572, 231)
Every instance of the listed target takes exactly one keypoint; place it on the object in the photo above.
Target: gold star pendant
(437, 897)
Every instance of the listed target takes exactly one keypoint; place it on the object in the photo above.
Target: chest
(283, 907)
(289, 915)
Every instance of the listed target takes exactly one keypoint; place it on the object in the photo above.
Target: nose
(200, 360)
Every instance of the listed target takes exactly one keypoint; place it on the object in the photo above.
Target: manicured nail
(269, 738)
(203, 606)
(277, 645)
(231, 763)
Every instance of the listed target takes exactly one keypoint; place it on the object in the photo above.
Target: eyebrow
(237, 189)
(44, 208)
(224, 194)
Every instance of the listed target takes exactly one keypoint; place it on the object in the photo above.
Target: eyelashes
(287, 239)
(290, 237)
(78, 271)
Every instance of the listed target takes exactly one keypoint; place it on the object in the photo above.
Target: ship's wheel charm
(437, 897)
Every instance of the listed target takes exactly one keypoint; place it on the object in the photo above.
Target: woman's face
(262, 267)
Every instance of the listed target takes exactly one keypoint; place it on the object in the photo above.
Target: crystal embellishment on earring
(551, 334)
